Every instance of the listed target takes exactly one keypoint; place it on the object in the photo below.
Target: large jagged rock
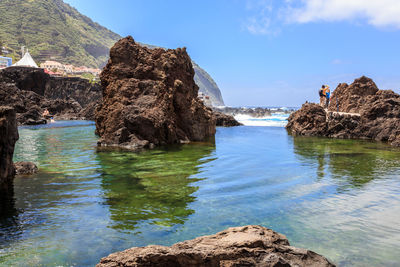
(364, 112)
(30, 91)
(250, 245)
(8, 137)
(351, 98)
(150, 98)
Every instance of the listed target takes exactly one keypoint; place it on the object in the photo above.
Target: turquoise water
(340, 198)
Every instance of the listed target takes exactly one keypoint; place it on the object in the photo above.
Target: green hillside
(53, 30)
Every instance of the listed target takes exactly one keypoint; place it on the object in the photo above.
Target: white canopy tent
(26, 61)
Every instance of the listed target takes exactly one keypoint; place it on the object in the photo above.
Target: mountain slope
(207, 85)
(52, 29)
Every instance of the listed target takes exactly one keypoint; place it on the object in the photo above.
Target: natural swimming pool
(340, 198)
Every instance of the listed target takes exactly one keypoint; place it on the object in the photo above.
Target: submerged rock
(25, 168)
(359, 110)
(150, 98)
(237, 246)
(8, 137)
(225, 120)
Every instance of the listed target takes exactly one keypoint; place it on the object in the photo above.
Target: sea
(278, 117)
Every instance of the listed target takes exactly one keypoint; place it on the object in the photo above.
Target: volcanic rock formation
(30, 91)
(237, 246)
(8, 137)
(225, 120)
(150, 98)
(359, 110)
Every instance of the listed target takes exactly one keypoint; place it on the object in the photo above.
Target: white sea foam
(276, 120)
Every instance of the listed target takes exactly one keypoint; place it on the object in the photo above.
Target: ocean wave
(275, 120)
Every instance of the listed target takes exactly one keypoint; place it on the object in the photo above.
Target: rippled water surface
(340, 198)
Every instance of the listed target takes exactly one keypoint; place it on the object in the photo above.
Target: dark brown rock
(88, 113)
(25, 168)
(309, 120)
(30, 91)
(351, 98)
(250, 245)
(150, 98)
(225, 120)
(8, 137)
(364, 112)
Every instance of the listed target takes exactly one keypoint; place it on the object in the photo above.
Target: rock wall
(150, 98)
(31, 90)
(364, 112)
(8, 137)
(250, 245)
(82, 91)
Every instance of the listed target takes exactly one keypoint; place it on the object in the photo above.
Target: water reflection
(154, 186)
(353, 163)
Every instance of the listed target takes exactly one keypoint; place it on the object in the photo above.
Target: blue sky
(267, 52)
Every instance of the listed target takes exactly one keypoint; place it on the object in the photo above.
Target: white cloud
(261, 17)
(380, 13)
(337, 61)
(268, 16)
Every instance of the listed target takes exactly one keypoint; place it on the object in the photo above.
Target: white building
(26, 61)
(5, 62)
(205, 98)
(52, 65)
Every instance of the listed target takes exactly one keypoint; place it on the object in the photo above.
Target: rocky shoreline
(356, 111)
(30, 91)
(250, 245)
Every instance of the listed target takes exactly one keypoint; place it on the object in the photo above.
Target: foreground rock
(25, 168)
(8, 137)
(238, 246)
(150, 98)
(364, 112)
(30, 91)
(225, 120)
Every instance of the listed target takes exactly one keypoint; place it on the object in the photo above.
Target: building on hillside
(95, 72)
(80, 70)
(26, 61)
(52, 65)
(55, 68)
(52, 73)
(205, 99)
(69, 68)
(84, 69)
(4, 50)
(5, 62)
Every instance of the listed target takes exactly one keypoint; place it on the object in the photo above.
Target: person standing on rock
(327, 93)
(322, 96)
(46, 113)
